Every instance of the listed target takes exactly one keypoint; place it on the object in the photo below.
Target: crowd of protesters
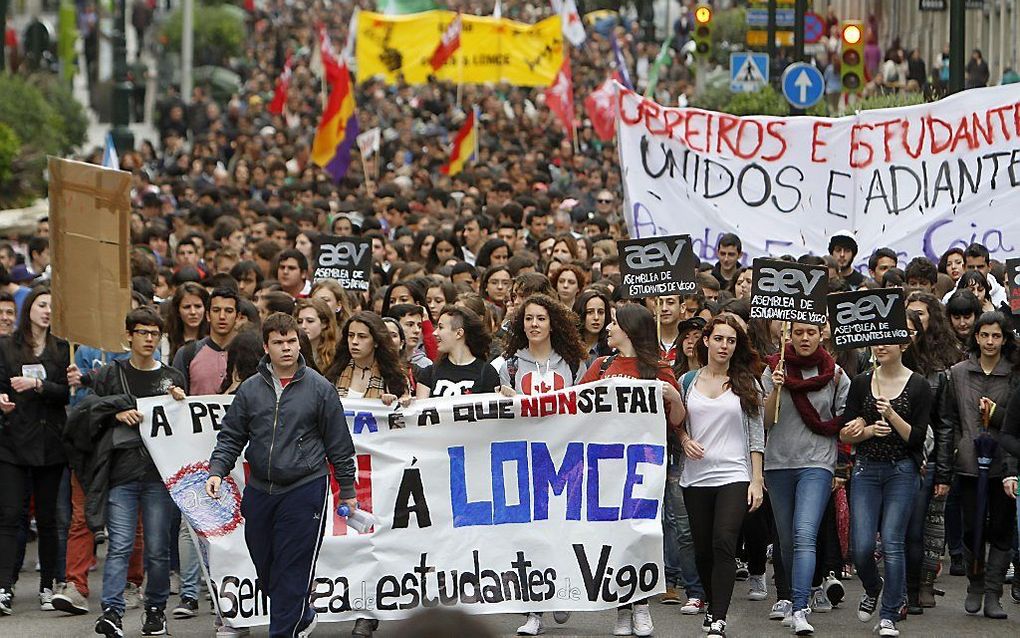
(505, 278)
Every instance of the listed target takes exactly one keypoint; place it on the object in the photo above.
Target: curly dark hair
(745, 365)
(942, 343)
(919, 356)
(386, 356)
(563, 335)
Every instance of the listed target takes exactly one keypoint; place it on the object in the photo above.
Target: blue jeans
(881, 498)
(678, 546)
(191, 568)
(121, 520)
(798, 499)
(915, 528)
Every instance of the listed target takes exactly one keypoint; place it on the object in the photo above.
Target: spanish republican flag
(338, 129)
(464, 145)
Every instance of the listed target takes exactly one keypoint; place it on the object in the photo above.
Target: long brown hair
(23, 333)
(390, 366)
(174, 323)
(563, 334)
(745, 365)
(326, 349)
(638, 323)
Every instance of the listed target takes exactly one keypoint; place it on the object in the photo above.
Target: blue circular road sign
(803, 85)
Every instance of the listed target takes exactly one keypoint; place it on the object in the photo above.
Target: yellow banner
(490, 50)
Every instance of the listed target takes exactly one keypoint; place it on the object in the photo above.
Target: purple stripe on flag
(337, 167)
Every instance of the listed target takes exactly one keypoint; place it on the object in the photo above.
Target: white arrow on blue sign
(803, 85)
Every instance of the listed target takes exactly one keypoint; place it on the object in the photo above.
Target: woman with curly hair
(939, 338)
(318, 322)
(186, 319)
(592, 309)
(568, 282)
(366, 365)
(543, 351)
(723, 439)
(632, 334)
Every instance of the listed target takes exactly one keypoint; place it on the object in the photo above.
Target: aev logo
(788, 281)
(345, 254)
(864, 308)
(654, 255)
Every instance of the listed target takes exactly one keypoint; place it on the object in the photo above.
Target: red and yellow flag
(464, 145)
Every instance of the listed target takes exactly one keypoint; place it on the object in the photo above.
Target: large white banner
(487, 503)
(918, 179)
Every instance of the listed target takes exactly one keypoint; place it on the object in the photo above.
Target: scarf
(799, 387)
(376, 386)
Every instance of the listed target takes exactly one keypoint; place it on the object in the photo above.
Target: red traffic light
(703, 15)
(852, 34)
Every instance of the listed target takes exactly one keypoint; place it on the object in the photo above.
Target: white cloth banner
(486, 503)
(918, 179)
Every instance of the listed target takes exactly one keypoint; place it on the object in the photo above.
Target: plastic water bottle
(359, 520)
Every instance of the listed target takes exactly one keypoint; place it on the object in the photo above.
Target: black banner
(868, 318)
(658, 266)
(1013, 284)
(788, 291)
(346, 259)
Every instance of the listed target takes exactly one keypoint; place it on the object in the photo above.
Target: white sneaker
(225, 631)
(624, 622)
(532, 627)
(801, 626)
(759, 590)
(788, 618)
(46, 600)
(820, 602)
(70, 601)
(887, 628)
(642, 620)
(134, 597)
(781, 610)
(693, 606)
(561, 617)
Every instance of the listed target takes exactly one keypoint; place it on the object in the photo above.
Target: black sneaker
(956, 566)
(1014, 589)
(6, 602)
(187, 609)
(109, 625)
(153, 622)
(706, 624)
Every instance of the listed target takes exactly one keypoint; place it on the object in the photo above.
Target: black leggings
(755, 536)
(45, 485)
(716, 515)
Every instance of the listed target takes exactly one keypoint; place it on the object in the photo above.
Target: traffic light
(703, 30)
(852, 57)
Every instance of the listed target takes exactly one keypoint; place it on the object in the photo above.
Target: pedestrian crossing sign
(749, 71)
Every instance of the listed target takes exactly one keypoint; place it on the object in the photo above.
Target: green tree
(10, 145)
(219, 32)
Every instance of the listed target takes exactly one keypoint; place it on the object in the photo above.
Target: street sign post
(803, 85)
(814, 27)
(749, 71)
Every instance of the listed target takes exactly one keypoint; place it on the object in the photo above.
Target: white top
(354, 394)
(718, 425)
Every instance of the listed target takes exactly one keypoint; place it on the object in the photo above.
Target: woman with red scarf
(800, 454)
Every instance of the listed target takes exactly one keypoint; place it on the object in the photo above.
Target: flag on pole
(660, 60)
(573, 27)
(325, 61)
(465, 145)
(448, 44)
(369, 142)
(352, 31)
(338, 129)
(601, 108)
(621, 64)
(282, 87)
(110, 159)
(560, 97)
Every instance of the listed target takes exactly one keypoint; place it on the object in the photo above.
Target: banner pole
(658, 319)
(784, 331)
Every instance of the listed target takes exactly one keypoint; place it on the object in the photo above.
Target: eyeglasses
(604, 201)
(155, 334)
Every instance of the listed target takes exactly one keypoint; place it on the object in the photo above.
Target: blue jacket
(289, 432)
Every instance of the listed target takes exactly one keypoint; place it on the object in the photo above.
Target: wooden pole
(784, 337)
(658, 319)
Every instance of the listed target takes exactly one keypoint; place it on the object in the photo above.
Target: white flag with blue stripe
(110, 159)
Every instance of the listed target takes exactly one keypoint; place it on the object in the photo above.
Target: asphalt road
(746, 618)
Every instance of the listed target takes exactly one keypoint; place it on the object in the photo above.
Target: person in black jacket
(33, 393)
(294, 420)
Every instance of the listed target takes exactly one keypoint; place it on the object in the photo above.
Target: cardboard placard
(90, 240)
(345, 259)
(1013, 284)
(788, 291)
(658, 266)
(868, 318)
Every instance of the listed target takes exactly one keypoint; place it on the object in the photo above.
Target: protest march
(488, 318)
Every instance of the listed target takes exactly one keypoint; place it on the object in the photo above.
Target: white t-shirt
(718, 425)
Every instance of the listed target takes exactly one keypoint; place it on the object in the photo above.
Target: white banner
(918, 179)
(486, 503)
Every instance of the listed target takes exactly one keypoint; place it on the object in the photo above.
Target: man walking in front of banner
(293, 419)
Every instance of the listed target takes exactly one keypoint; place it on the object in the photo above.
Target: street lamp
(120, 108)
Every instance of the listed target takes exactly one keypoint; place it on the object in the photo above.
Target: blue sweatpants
(283, 533)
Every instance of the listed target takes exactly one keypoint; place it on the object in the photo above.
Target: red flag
(280, 93)
(601, 108)
(327, 56)
(448, 44)
(560, 97)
